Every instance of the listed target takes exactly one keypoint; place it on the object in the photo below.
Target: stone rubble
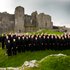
(32, 63)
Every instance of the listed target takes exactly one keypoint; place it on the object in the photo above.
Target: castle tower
(19, 19)
(44, 21)
(34, 18)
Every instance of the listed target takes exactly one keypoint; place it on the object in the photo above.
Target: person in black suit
(26, 43)
(18, 43)
(14, 49)
(8, 46)
(23, 43)
(32, 43)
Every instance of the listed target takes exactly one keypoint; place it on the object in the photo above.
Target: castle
(21, 22)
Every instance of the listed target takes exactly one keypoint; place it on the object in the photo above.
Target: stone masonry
(21, 22)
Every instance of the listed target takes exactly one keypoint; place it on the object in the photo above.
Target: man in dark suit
(14, 49)
(18, 44)
(8, 46)
(32, 46)
(23, 43)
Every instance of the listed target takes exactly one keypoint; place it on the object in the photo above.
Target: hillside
(46, 31)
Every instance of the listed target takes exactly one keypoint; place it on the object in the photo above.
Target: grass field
(19, 59)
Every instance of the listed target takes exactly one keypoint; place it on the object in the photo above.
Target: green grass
(48, 31)
(19, 59)
(56, 63)
(53, 63)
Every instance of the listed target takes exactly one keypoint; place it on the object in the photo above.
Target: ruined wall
(27, 20)
(20, 22)
(44, 21)
(34, 16)
(37, 21)
(6, 22)
(31, 22)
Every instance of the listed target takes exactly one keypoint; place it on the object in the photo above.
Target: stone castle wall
(21, 22)
(44, 21)
(6, 22)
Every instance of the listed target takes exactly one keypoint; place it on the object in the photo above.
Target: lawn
(20, 58)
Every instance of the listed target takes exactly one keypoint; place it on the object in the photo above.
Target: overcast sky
(58, 9)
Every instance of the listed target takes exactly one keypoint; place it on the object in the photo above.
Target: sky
(59, 10)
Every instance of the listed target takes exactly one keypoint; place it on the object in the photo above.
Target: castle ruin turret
(19, 19)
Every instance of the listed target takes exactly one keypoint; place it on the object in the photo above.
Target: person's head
(39, 36)
(8, 41)
(6, 37)
(14, 40)
(35, 38)
(26, 37)
(44, 37)
(23, 37)
(19, 38)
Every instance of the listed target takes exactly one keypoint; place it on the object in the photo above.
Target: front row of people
(17, 44)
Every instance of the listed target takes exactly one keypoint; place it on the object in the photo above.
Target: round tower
(19, 19)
